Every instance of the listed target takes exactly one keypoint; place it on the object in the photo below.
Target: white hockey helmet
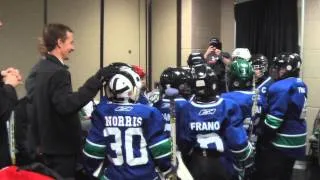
(243, 53)
(124, 85)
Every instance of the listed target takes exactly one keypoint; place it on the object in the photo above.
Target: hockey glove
(171, 173)
(154, 96)
(106, 73)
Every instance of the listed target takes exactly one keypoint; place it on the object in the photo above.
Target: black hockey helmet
(260, 64)
(178, 78)
(195, 59)
(285, 65)
(204, 81)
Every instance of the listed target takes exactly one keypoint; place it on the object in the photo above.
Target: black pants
(272, 164)
(65, 165)
(206, 167)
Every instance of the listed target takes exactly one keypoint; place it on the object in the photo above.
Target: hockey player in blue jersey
(179, 79)
(284, 131)
(129, 137)
(143, 99)
(241, 84)
(260, 67)
(208, 125)
(251, 104)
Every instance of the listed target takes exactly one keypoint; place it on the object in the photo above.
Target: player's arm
(95, 146)
(159, 144)
(64, 100)
(236, 136)
(278, 105)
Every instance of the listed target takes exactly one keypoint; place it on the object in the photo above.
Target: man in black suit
(55, 126)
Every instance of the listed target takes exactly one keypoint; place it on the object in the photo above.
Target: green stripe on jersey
(161, 149)
(103, 178)
(95, 150)
(290, 141)
(242, 154)
(273, 121)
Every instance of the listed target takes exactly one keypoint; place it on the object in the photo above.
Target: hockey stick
(172, 93)
(182, 171)
(254, 108)
(254, 111)
(11, 138)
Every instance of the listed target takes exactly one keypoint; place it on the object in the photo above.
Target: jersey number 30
(131, 160)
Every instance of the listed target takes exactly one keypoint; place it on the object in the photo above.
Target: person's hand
(106, 73)
(11, 76)
(171, 173)
(12, 79)
(210, 50)
(12, 71)
(217, 52)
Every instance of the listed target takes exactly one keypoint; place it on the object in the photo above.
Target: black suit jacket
(55, 124)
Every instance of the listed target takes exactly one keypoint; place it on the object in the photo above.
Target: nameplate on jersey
(123, 121)
(123, 108)
(205, 126)
(204, 112)
(302, 90)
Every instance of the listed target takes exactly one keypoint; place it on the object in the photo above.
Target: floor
(312, 172)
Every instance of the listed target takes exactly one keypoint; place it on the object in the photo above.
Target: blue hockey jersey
(130, 138)
(264, 86)
(286, 116)
(163, 106)
(245, 100)
(213, 126)
(143, 99)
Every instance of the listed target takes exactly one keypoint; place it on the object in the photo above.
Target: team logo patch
(204, 112)
(124, 108)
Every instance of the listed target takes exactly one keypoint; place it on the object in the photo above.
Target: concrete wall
(227, 34)
(22, 26)
(124, 34)
(206, 18)
(82, 16)
(164, 36)
(201, 20)
(311, 54)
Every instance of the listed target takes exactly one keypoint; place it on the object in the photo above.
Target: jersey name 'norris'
(123, 121)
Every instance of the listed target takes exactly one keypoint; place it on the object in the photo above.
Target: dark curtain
(267, 26)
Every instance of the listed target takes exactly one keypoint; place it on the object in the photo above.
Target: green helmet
(240, 74)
